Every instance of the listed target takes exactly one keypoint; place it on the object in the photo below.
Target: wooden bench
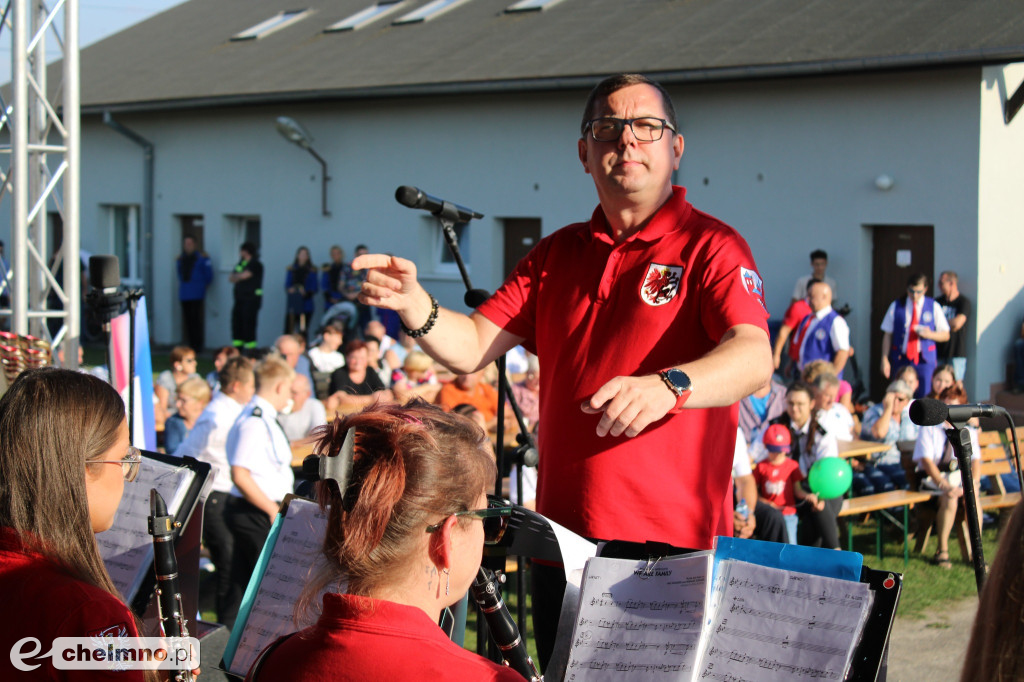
(878, 505)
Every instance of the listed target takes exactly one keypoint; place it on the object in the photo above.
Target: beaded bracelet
(428, 325)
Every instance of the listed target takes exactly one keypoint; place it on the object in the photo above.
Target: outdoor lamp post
(295, 133)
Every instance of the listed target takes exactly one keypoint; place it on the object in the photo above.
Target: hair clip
(337, 468)
(410, 419)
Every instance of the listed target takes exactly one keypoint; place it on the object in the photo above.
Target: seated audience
(760, 407)
(527, 391)
(845, 395)
(325, 356)
(183, 366)
(193, 397)
(778, 479)
(836, 419)
(292, 347)
(306, 413)
(65, 458)
(943, 378)
(938, 473)
(416, 379)
(355, 385)
(763, 522)
(223, 354)
(415, 468)
(469, 388)
(994, 652)
(887, 421)
(376, 364)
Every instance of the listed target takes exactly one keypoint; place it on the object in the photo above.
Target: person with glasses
(183, 366)
(404, 540)
(648, 307)
(889, 421)
(65, 458)
(912, 325)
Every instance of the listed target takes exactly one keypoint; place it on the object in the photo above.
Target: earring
(447, 581)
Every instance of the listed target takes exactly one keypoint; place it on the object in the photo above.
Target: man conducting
(648, 308)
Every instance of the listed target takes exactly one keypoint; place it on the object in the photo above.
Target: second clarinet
(170, 610)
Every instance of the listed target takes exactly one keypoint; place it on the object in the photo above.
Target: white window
(274, 23)
(531, 5)
(122, 236)
(429, 11)
(364, 17)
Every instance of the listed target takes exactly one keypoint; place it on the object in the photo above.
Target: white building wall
(790, 163)
(1000, 301)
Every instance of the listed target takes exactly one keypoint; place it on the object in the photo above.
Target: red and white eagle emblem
(661, 283)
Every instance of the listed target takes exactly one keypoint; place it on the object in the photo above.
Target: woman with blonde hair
(193, 397)
(65, 457)
(405, 536)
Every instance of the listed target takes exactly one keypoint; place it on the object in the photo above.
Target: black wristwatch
(679, 383)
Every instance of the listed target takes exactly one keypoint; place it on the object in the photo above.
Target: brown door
(898, 251)
(521, 235)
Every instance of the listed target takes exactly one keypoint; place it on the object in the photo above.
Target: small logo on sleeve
(661, 283)
(753, 284)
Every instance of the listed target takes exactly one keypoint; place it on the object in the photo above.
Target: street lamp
(296, 134)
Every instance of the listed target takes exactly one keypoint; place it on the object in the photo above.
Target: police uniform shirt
(207, 441)
(257, 443)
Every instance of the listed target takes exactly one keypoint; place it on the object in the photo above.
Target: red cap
(777, 438)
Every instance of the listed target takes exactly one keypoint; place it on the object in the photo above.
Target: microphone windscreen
(928, 412)
(409, 196)
(104, 272)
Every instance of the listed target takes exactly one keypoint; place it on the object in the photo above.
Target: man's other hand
(630, 404)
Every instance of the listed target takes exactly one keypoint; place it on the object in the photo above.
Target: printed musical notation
(296, 556)
(773, 624)
(640, 617)
(127, 548)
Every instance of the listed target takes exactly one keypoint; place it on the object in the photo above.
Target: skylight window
(429, 11)
(364, 17)
(531, 5)
(274, 23)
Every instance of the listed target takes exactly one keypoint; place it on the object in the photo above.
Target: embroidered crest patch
(753, 284)
(661, 283)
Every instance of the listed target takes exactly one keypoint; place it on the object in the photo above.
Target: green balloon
(830, 477)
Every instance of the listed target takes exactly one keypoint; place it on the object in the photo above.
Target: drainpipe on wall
(147, 202)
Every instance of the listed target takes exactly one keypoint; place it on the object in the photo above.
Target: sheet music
(127, 548)
(641, 618)
(295, 557)
(771, 624)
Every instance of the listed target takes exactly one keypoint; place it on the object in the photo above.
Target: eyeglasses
(130, 465)
(495, 519)
(645, 129)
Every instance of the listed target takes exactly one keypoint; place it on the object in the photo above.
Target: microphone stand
(448, 216)
(133, 296)
(960, 439)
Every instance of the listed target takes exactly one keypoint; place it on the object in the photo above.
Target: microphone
(414, 197)
(931, 412)
(104, 273)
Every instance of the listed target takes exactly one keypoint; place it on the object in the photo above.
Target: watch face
(678, 379)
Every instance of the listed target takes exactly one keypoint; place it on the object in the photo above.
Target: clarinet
(503, 629)
(170, 610)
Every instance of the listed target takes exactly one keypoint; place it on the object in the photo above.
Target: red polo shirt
(44, 602)
(592, 310)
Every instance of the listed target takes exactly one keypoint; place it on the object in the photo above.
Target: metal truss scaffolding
(39, 127)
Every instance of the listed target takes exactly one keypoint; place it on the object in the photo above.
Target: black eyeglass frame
(502, 512)
(621, 123)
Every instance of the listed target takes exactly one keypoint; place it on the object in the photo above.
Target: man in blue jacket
(195, 272)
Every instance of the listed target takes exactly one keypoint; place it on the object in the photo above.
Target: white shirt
(838, 421)
(259, 445)
(740, 457)
(800, 289)
(298, 424)
(824, 446)
(208, 438)
(325, 362)
(931, 444)
(923, 316)
(839, 332)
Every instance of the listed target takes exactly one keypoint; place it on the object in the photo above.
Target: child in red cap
(778, 478)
